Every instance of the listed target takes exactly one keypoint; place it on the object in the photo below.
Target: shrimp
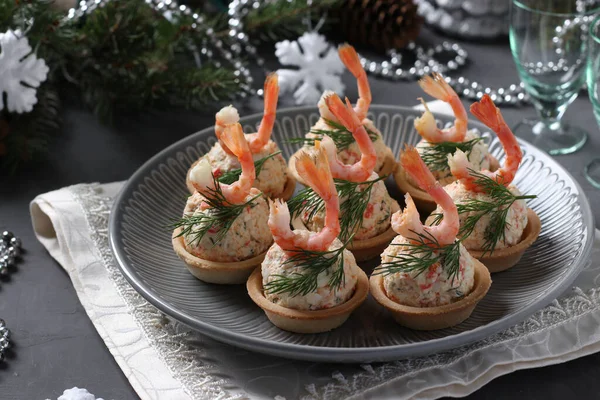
(258, 140)
(226, 116)
(351, 60)
(490, 115)
(236, 193)
(363, 169)
(317, 175)
(407, 222)
(437, 87)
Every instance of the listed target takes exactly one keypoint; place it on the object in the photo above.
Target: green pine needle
(341, 136)
(501, 199)
(219, 218)
(354, 199)
(421, 255)
(435, 156)
(313, 263)
(229, 177)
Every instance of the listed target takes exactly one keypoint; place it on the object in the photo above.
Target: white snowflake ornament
(77, 394)
(319, 68)
(20, 72)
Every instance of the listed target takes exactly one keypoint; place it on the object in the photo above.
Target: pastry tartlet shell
(223, 273)
(439, 317)
(306, 321)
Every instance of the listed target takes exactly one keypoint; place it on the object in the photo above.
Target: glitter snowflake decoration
(77, 394)
(319, 68)
(21, 72)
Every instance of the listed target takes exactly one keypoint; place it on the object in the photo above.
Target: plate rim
(338, 354)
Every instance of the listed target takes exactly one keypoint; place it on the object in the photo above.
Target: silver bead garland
(394, 68)
(10, 251)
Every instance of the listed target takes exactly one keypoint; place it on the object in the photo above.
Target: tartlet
(307, 321)
(225, 273)
(503, 259)
(387, 167)
(422, 199)
(365, 249)
(437, 317)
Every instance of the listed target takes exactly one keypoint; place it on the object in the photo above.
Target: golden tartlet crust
(224, 273)
(303, 321)
(439, 317)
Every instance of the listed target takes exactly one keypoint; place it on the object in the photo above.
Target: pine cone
(379, 24)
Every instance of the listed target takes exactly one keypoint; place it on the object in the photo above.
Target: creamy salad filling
(376, 218)
(352, 154)
(248, 236)
(273, 175)
(433, 287)
(323, 297)
(516, 218)
(479, 158)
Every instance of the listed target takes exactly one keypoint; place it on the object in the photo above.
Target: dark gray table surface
(55, 344)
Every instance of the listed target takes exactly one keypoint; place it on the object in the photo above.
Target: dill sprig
(354, 199)
(341, 136)
(228, 177)
(313, 263)
(423, 252)
(218, 219)
(436, 155)
(501, 199)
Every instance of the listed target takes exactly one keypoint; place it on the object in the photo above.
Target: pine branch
(283, 19)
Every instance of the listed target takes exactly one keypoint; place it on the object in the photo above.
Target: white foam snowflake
(77, 394)
(318, 65)
(22, 72)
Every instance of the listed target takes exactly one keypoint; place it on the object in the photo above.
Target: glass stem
(550, 115)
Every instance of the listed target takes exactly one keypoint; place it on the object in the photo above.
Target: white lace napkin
(165, 360)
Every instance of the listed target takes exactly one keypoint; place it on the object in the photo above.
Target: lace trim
(188, 365)
(557, 313)
(196, 376)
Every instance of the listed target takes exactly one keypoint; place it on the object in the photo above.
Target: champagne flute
(592, 170)
(548, 40)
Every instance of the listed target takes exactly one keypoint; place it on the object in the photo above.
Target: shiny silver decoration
(10, 251)
(239, 47)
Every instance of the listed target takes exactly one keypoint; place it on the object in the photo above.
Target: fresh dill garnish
(422, 253)
(435, 155)
(228, 177)
(341, 136)
(354, 199)
(312, 263)
(218, 218)
(501, 199)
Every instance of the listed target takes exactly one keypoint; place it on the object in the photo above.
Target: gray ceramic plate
(156, 193)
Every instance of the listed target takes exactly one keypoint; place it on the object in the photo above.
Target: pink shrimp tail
(233, 137)
(350, 58)
(362, 170)
(486, 111)
(446, 232)
(317, 175)
(259, 139)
